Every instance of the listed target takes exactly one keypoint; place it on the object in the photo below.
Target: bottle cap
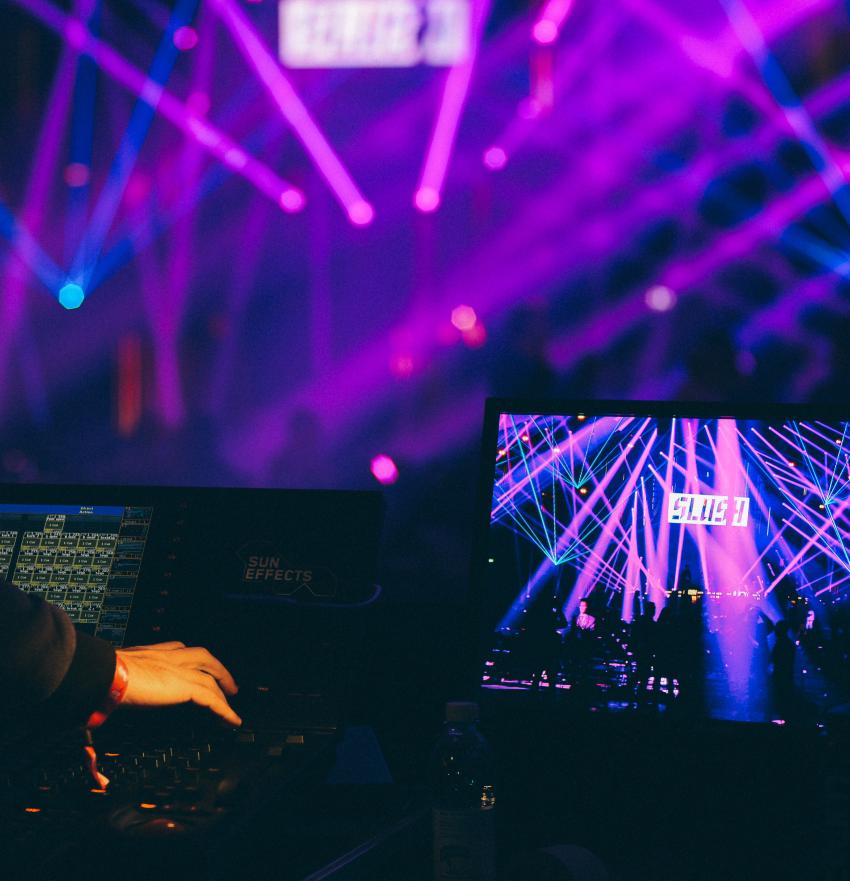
(461, 711)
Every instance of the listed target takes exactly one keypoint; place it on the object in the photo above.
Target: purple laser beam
(214, 141)
(359, 211)
(429, 192)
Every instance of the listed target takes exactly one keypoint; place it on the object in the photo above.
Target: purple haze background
(652, 205)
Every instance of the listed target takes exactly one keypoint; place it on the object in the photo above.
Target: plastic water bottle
(464, 806)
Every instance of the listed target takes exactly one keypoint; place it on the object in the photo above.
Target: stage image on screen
(671, 564)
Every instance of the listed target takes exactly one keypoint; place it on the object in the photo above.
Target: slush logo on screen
(704, 510)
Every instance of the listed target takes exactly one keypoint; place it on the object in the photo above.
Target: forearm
(47, 669)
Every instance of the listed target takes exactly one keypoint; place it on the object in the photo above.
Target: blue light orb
(71, 296)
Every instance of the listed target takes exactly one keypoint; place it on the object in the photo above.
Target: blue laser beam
(30, 252)
(144, 112)
(792, 108)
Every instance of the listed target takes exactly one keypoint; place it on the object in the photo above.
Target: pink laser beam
(548, 26)
(360, 211)
(428, 193)
(175, 111)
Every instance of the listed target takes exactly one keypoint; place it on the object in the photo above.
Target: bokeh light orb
(292, 200)
(185, 38)
(402, 366)
(495, 158)
(77, 174)
(660, 298)
(464, 317)
(383, 469)
(529, 108)
(361, 213)
(71, 296)
(545, 31)
(427, 199)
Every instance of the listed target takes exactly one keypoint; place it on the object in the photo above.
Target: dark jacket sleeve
(47, 669)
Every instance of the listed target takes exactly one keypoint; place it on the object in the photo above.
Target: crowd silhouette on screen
(681, 654)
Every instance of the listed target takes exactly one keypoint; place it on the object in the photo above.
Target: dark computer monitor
(271, 580)
(690, 560)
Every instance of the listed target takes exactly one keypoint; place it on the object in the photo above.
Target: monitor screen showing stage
(698, 565)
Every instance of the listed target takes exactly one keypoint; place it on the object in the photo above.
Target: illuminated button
(33, 810)
(147, 806)
(161, 826)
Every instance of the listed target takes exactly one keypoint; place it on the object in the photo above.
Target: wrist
(115, 695)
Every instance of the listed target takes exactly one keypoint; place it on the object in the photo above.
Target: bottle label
(464, 845)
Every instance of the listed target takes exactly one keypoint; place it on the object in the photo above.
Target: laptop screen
(668, 558)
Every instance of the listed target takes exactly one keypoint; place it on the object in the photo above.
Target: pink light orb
(292, 201)
(361, 213)
(427, 199)
(660, 298)
(198, 103)
(528, 108)
(77, 174)
(495, 158)
(185, 38)
(545, 31)
(464, 317)
(402, 366)
(476, 336)
(384, 470)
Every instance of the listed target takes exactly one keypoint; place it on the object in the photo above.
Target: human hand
(169, 673)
